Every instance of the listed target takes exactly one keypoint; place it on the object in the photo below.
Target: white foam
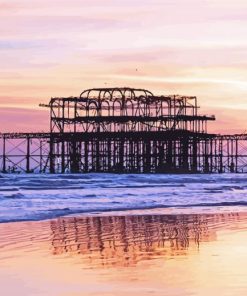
(34, 197)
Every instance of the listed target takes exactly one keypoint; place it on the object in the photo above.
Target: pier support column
(194, 156)
(4, 154)
(74, 158)
(185, 157)
(28, 156)
(51, 156)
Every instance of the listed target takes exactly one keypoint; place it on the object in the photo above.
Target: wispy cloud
(59, 47)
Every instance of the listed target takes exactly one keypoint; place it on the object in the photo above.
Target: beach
(123, 148)
(140, 252)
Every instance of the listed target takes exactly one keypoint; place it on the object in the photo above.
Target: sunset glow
(59, 48)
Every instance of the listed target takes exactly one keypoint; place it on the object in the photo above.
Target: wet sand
(135, 254)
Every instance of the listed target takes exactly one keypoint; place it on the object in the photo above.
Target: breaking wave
(37, 197)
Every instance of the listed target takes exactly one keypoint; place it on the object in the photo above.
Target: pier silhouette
(124, 130)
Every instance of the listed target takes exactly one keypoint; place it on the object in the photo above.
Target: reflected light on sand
(125, 255)
(124, 241)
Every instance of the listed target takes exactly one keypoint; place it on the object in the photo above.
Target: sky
(52, 48)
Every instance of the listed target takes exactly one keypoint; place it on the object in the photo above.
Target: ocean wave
(55, 213)
(37, 197)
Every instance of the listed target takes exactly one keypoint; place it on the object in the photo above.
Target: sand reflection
(125, 255)
(126, 240)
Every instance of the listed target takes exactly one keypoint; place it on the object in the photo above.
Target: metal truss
(124, 130)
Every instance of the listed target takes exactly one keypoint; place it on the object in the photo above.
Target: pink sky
(60, 47)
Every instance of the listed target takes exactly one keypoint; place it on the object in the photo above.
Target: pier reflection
(126, 240)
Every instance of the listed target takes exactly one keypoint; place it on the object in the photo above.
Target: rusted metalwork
(124, 130)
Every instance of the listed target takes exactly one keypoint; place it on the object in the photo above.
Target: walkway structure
(124, 130)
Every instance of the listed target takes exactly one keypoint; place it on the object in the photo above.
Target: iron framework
(124, 130)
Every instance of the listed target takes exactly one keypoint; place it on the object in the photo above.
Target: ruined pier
(124, 130)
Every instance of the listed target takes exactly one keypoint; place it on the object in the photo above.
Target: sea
(32, 197)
